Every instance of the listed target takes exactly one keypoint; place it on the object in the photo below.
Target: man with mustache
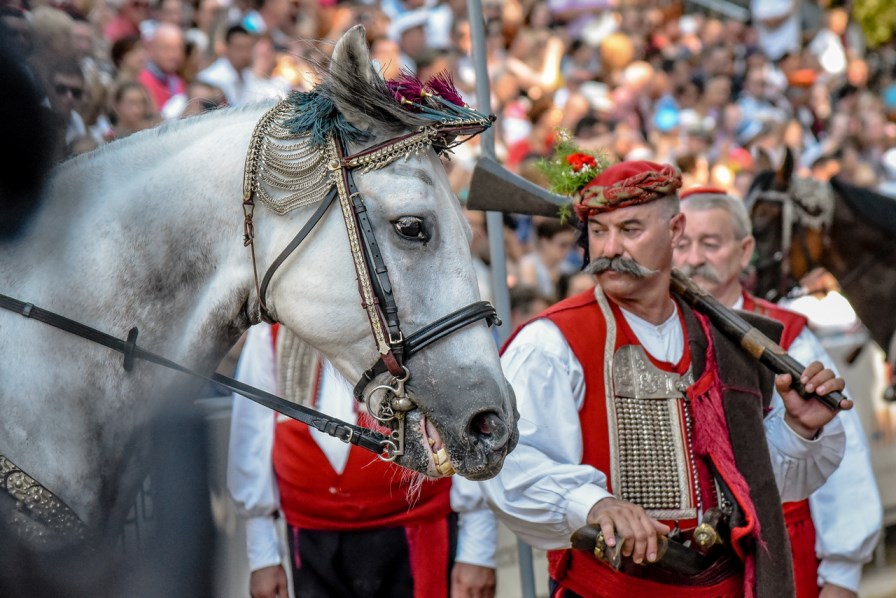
(842, 518)
(638, 417)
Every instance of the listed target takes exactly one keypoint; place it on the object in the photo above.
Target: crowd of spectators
(721, 98)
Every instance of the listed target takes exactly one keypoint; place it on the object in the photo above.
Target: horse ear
(351, 58)
(350, 71)
(784, 174)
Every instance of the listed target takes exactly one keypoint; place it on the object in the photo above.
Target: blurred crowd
(660, 80)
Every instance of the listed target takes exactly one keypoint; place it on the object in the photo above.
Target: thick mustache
(704, 271)
(619, 264)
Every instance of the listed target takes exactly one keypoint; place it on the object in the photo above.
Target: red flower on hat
(580, 161)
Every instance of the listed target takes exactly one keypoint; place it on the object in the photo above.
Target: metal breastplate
(653, 455)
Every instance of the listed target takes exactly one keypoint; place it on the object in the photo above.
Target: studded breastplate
(653, 467)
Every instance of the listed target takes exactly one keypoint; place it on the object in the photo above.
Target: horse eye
(411, 227)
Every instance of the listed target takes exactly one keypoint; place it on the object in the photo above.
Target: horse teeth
(443, 463)
(431, 442)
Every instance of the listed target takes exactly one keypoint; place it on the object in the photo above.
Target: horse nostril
(489, 427)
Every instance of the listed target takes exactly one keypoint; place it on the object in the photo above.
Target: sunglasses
(62, 89)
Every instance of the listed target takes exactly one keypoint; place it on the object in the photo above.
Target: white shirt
(783, 39)
(250, 474)
(222, 75)
(544, 492)
(846, 510)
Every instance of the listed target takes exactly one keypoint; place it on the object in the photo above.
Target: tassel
(442, 86)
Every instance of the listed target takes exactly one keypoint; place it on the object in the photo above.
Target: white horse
(148, 232)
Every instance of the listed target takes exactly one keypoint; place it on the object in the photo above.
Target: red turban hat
(626, 184)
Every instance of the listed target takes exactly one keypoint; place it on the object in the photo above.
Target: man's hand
(472, 581)
(831, 591)
(637, 530)
(807, 417)
(269, 582)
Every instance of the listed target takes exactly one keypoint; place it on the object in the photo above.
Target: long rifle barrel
(768, 352)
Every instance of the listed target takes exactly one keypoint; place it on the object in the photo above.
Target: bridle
(374, 285)
(797, 207)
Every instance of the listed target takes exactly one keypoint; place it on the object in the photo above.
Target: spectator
(230, 72)
(542, 267)
(129, 58)
(65, 85)
(526, 302)
(132, 110)
(165, 52)
(271, 17)
(127, 20)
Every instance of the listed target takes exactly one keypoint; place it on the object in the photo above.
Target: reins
(367, 439)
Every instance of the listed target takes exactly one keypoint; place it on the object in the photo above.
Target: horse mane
(344, 98)
(168, 127)
(763, 182)
(876, 209)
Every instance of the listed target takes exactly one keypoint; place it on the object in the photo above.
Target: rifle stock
(765, 350)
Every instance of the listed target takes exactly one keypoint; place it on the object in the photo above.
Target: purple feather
(406, 88)
(443, 86)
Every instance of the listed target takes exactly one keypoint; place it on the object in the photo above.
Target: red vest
(369, 493)
(794, 323)
(582, 323)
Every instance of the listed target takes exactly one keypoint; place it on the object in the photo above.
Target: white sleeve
(543, 493)
(846, 510)
(477, 534)
(801, 466)
(250, 475)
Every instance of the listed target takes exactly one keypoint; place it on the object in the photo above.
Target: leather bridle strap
(377, 270)
(481, 310)
(369, 286)
(362, 437)
(306, 230)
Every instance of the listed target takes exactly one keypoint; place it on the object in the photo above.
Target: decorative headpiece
(405, 102)
(596, 187)
(286, 165)
(627, 184)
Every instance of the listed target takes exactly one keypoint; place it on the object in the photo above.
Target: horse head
(450, 406)
(790, 216)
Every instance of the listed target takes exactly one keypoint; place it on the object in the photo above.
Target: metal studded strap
(369, 300)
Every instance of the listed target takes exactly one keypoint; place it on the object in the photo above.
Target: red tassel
(712, 440)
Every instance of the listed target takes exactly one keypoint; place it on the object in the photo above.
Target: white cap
(407, 20)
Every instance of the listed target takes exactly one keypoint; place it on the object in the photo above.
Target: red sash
(597, 580)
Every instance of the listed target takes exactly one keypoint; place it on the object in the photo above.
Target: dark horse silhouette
(802, 224)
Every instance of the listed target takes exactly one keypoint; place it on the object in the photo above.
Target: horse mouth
(438, 462)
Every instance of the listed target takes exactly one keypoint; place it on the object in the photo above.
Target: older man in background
(165, 50)
(841, 521)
